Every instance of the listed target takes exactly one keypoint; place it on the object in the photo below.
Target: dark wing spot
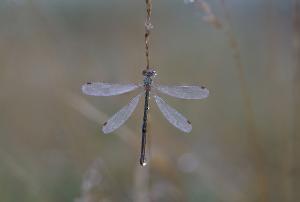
(88, 83)
(105, 124)
(202, 87)
(188, 122)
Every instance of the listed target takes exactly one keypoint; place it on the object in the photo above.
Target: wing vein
(106, 89)
(173, 116)
(184, 92)
(119, 118)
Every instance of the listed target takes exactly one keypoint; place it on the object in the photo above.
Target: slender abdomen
(144, 129)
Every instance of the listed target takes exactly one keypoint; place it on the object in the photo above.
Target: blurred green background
(244, 146)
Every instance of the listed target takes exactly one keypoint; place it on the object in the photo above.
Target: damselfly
(173, 116)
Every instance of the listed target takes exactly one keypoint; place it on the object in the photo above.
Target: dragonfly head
(149, 72)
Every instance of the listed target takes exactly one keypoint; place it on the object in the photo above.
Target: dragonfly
(171, 114)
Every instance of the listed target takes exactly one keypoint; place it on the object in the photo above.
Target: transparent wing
(184, 92)
(173, 116)
(121, 116)
(107, 89)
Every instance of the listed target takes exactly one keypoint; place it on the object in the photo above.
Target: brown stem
(256, 153)
(148, 27)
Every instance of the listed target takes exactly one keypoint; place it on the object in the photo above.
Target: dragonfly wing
(107, 89)
(173, 116)
(121, 116)
(184, 92)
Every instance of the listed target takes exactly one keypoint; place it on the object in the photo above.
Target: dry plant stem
(148, 26)
(294, 150)
(256, 153)
(209, 16)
